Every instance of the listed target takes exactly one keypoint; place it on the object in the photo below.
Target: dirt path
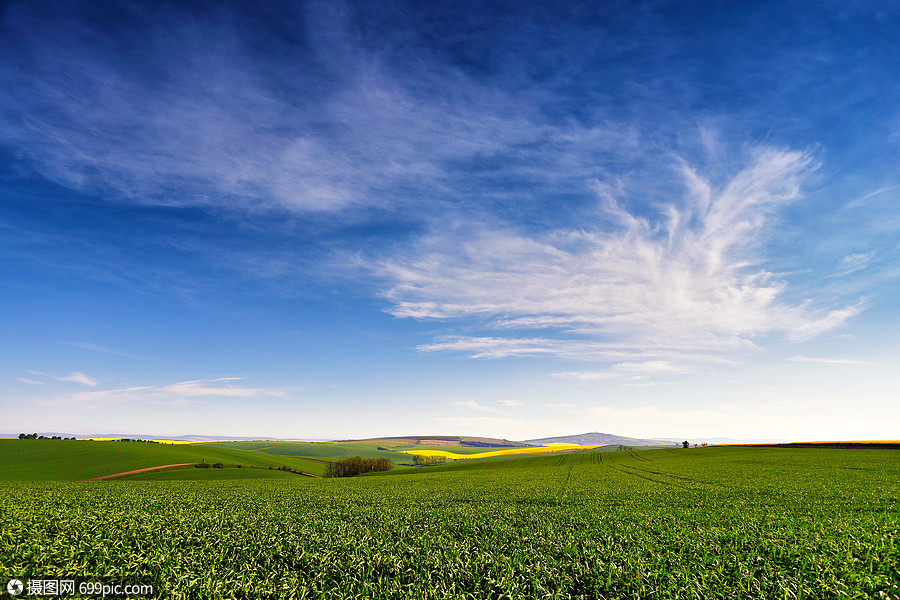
(182, 465)
(137, 471)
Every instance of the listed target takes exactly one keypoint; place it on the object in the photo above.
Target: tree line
(356, 465)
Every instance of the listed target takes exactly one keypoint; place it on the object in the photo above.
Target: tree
(685, 445)
(420, 460)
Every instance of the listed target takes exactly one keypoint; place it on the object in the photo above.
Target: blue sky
(328, 220)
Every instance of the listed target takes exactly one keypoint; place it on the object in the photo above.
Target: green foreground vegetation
(699, 523)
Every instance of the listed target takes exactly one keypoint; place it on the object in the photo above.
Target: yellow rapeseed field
(533, 450)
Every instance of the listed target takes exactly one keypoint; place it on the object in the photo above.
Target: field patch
(70, 460)
(472, 453)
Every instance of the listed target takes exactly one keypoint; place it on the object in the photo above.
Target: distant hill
(149, 436)
(445, 440)
(599, 438)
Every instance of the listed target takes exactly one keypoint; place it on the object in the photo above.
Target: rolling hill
(594, 437)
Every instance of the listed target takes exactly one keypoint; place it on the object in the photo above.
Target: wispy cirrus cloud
(98, 348)
(191, 115)
(828, 361)
(72, 378)
(854, 262)
(79, 378)
(633, 372)
(183, 392)
(688, 279)
(476, 406)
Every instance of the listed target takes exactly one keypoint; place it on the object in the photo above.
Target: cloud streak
(828, 361)
(71, 378)
(688, 279)
(184, 392)
(79, 378)
(476, 406)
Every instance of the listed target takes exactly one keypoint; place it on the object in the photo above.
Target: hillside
(45, 460)
(441, 440)
(594, 437)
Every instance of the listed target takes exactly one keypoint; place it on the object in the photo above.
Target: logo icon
(14, 587)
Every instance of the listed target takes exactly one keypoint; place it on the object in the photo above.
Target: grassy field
(49, 460)
(320, 450)
(68, 460)
(698, 523)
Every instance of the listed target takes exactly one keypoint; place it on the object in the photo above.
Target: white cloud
(30, 381)
(78, 378)
(178, 393)
(828, 361)
(635, 373)
(201, 114)
(499, 347)
(586, 375)
(854, 262)
(816, 325)
(689, 280)
(73, 378)
(510, 402)
(476, 406)
(650, 366)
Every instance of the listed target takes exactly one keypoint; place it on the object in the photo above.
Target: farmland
(699, 523)
(50, 460)
(493, 453)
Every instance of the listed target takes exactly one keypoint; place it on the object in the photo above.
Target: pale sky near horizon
(338, 220)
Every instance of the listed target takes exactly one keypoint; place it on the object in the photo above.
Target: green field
(698, 523)
(69, 460)
(319, 450)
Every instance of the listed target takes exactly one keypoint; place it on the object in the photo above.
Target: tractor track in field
(148, 469)
(663, 478)
(655, 477)
(136, 471)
